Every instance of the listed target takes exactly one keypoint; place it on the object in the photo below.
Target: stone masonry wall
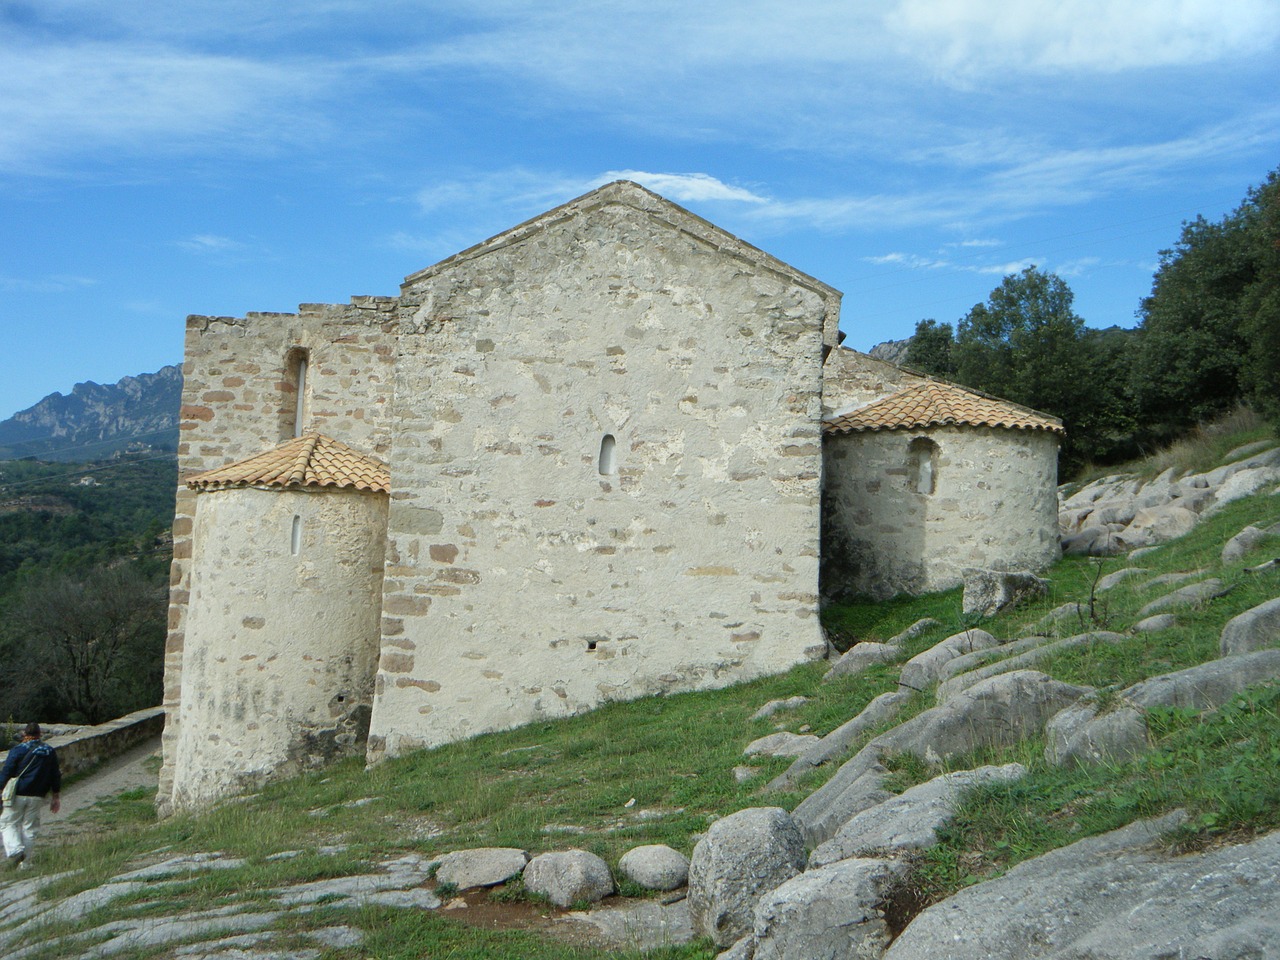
(994, 506)
(238, 400)
(852, 380)
(521, 581)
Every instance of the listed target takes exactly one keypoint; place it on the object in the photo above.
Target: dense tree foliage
(1209, 339)
(1027, 344)
(1211, 326)
(84, 559)
(931, 349)
(87, 647)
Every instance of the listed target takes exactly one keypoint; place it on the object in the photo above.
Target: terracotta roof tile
(940, 404)
(313, 460)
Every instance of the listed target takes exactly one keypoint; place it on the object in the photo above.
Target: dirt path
(129, 771)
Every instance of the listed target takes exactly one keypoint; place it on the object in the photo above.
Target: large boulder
(1119, 896)
(773, 706)
(569, 877)
(742, 856)
(1157, 525)
(1083, 734)
(858, 785)
(1238, 547)
(1206, 686)
(924, 669)
(837, 911)
(1191, 594)
(838, 741)
(1092, 541)
(861, 656)
(1117, 577)
(781, 744)
(1029, 655)
(1255, 629)
(655, 866)
(910, 821)
(987, 592)
(1243, 483)
(482, 867)
(1080, 735)
(997, 712)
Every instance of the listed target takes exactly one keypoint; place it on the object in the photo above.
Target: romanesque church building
(611, 452)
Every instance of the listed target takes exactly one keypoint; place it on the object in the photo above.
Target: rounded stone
(655, 867)
(574, 876)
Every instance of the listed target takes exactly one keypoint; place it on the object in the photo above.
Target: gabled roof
(935, 404)
(313, 460)
(632, 194)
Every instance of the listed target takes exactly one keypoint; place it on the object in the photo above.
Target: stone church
(613, 451)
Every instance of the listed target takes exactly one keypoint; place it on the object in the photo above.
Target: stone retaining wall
(86, 747)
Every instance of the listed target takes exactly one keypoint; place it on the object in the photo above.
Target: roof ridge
(302, 462)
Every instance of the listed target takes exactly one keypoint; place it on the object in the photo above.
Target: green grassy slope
(659, 770)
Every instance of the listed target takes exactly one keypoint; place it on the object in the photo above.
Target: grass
(571, 783)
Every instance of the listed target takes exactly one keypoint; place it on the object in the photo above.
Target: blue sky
(158, 160)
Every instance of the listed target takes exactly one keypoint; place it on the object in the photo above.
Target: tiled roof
(936, 404)
(313, 460)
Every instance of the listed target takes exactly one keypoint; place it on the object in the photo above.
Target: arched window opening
(296, 368)
(607, 462)
(922, 465)
(295, 536)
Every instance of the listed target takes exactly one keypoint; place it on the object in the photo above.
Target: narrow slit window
(300, 407)
(607, 463)
(295, 536)
(922, 464)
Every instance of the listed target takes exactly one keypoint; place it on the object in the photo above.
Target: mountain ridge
(96, 421)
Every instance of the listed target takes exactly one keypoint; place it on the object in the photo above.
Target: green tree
(1260, 306)
(1211, 327)
(1023, 343)
(88, 647)
(932, 349)
(1027, 344)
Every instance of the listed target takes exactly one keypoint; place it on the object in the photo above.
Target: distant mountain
(137, 414)
(893, 351)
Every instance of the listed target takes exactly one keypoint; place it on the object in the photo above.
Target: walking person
(34, 765)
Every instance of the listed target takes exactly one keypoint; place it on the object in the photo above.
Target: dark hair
(32, 730)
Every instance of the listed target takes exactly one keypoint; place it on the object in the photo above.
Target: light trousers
(20, 823)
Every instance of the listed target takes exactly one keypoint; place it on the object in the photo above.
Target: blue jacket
(35, 764)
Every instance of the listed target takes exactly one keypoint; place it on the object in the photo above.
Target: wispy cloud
(55, 283)
(912, 260)
(530, 189)
(62, 101)
(210, 243)
(684, 187)
(964, 38)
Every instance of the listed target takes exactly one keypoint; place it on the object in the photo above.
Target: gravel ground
(129, 771)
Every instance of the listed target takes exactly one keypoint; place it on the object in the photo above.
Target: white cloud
(210, 243)
(971, 37)
(54, 283)
(907, 260)
(684, 187)
(113, 99)
(517, 189)
(1012, 266)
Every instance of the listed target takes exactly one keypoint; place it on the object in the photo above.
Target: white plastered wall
(281, 647)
